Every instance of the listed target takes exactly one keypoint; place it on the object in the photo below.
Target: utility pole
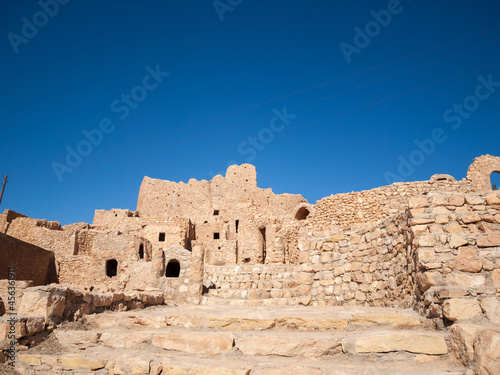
(3, 187)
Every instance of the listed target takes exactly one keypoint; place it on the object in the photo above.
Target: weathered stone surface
(30, 359)
(470, 217)
(414, 342)
(495, 276)
(466, 263)
(129, 365)
(462, 338)
(208, 343)
(76, 362)
(491, 308)
(457, 241)
(388, 319)
(303, 324)
(454, 227)
(287, 346)
(417, 202)
(456, 200)
(462, 279)
(240, 324)
(461, 308)
(489, 240)
(493, 198)
(427, 279)
(487, 357)
(130, 340)
(43, 301)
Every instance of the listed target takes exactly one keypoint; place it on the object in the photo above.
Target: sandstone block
(426, 240)
(470, 217)
(287, 346)
(487, 357)
(418, 202)
(74, 362)
(461, 308)
(461, 279)
(457, 200)
(414, 342)
(454, 227)
(191, 342)
(462, 338)
(43, 301)
(474, 199)
(491, 308)
(495, 275)
(457, 241)
(427, 279)
(493, 198)
(466, 263)
(489, 240)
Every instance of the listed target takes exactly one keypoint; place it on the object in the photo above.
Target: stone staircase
(244, 340)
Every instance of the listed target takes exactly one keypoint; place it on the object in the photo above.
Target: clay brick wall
(31, 262)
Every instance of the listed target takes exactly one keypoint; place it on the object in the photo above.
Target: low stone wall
(251, 281)
(456, 245)
(43, 307)
(366, 267)
(30, 262)
(343, 211)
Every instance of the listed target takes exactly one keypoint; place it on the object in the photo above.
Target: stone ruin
(430, 246)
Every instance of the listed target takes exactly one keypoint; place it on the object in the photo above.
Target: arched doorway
(173, 268)
(141, 251)
(495, 180)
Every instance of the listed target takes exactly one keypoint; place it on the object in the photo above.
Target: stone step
(250, 343)
(246, 318)
(124, 361)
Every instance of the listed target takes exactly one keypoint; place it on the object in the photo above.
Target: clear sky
(323, 97)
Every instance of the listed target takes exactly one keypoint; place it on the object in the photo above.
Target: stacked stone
(369, 206)
(456, 248)
(251, 282)
(367, 267)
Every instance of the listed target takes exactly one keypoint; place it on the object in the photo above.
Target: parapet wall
(343, 211)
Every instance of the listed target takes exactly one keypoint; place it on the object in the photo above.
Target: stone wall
(31, 262)
(343, 211)
(366, 267)
(456, 245)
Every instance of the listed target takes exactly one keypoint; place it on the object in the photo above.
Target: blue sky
(324, 96)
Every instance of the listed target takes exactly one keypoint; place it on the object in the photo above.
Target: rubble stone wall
(456, 245)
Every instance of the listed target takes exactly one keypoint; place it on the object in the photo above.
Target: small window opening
(216, 212)
(302, 213)
(173, 268)
(161, 237)
(141, 251)
(111, 267)
(237, 223)
(216, 236)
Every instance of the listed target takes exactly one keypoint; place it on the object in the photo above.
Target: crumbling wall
(479, 172)
(343, 211)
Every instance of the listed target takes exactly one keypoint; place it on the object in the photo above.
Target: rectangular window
(216, 236)
(161, 237)
(216, 212)
(237, 223)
